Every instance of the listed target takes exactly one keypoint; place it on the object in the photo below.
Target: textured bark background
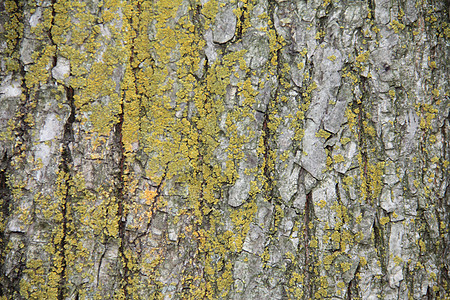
(186, 149)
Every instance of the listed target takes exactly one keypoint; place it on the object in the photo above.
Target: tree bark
(185, 149)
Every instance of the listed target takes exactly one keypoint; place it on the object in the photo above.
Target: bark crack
(66, 169)
(121, 210)
(306, 240)
(50, 34)
(8, 285)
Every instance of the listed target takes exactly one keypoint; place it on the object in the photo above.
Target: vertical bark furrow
(8, 284)
(66, 168)
(121, 202)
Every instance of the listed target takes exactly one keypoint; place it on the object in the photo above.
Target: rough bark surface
(186, 149)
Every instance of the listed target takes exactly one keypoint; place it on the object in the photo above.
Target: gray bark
(224, 149)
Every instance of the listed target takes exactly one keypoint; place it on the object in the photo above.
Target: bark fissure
(121, 209)
(308, 265)
(100, 265)
(380, 246)
(352, 288)
(240, 28)
(13, 159)
(153, 209)
(8, 284)
(50, 33)
(270, 191)
(67, 169)
(267, 132)
(22, 128)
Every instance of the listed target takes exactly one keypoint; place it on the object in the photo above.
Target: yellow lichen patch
(362, 261)
(323, 134)
(422, 246)
(345, 266)
(392, 94)
(210, 9)
(397, 26)
(371, 181)
(149, 196)
(332, 57)
(322, 203)
(351, 117)
(362, 57)
(345, 140)
(338, 158)
(384, 220)
(13, 33)
(326, 2)
(398, 260)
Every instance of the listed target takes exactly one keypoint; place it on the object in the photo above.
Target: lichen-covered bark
(185, 149)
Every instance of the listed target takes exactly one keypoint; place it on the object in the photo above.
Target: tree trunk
(243, 149)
